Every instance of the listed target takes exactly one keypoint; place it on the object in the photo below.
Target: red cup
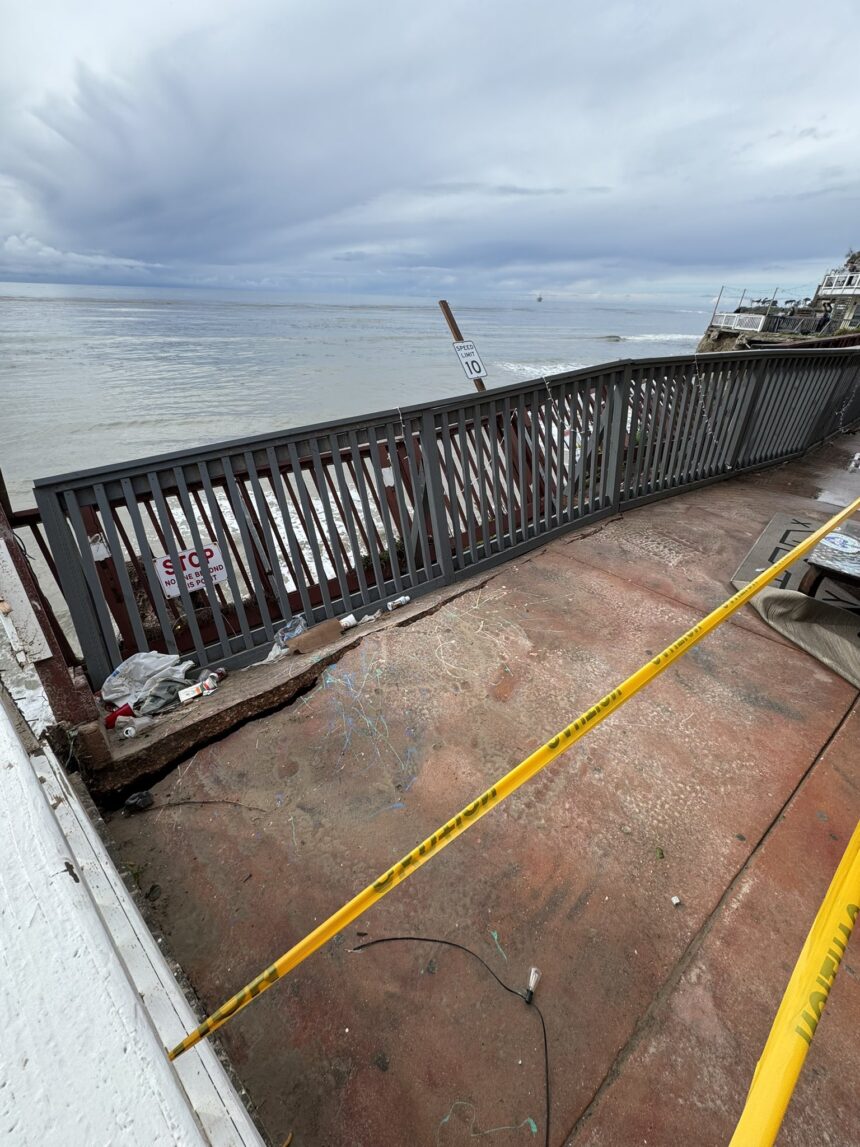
(123, 711)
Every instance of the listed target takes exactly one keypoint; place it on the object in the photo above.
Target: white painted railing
(734, 322)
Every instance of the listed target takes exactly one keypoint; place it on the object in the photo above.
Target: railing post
(620, 402)
(435, 496)
(97, 662)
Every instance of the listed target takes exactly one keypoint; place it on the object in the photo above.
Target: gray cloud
(489, 146)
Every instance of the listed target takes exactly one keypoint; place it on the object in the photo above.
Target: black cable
(22, 547)
(507, 987)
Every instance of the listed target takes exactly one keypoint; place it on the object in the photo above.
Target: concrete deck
(731, 782)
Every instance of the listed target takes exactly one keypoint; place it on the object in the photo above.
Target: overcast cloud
(322, 145)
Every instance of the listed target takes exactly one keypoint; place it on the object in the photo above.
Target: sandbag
(827, 632)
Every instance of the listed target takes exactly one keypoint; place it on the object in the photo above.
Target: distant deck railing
(340, 517)
(729, 321)
(792, 324)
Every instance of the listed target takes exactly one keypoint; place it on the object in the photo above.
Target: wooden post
(457, 336)
(70, 704)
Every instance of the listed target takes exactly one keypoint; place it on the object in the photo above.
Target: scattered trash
(676, 901)
(162, 696)
(154, 892)
(138, 802)
(144, 684)
(131, 726)
(661, 855)
(295, 626)
(138, 674)
(351, 620)
(208, 685)
(297, 637)
(123, 711)
(220, 673)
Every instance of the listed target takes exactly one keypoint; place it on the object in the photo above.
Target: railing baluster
(199, 546)
(90, 573)
(322, 491)
(309, 528)
(279, 484)
(237, 508)
(498, 509)
(391, 537)
(361, 485)
(118, 559)
(453, 491)
(400, 499)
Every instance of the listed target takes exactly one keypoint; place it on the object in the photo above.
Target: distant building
(834, 309)
(841, 290)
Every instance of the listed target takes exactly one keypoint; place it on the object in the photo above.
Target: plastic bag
(294, 627)
(163, 695)
(135, 678)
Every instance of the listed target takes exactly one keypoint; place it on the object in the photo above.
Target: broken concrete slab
(112, 763)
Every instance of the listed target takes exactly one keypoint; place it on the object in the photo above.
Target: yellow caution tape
(523, 772)
(791, 1035)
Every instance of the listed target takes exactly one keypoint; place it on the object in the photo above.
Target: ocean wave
(538, 369)
(654, 338)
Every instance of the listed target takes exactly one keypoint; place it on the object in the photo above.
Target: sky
(481, 147)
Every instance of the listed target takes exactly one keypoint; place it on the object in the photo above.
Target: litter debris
(297, 638)
(131, 726)
(138, 802)
(208, 685)
(123, 711)
(136, 677)
(676, 901)
(295, 626)
(144, 684)
(162, 696)
(350, 620)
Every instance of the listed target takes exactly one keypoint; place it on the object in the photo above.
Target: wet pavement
(731, 782)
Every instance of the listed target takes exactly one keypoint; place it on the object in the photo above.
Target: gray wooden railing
(344, 516)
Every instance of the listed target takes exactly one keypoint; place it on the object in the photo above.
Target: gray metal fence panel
(325, 520)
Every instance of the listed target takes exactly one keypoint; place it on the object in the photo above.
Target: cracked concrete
(123, 764)
(731, 782)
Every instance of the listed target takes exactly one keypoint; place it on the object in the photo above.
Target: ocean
(92, 375)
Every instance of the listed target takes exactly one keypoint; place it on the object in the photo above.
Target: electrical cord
(524, 996)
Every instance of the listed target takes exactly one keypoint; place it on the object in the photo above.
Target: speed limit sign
(470, 360)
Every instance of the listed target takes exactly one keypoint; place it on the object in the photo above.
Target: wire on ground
(503, 788)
